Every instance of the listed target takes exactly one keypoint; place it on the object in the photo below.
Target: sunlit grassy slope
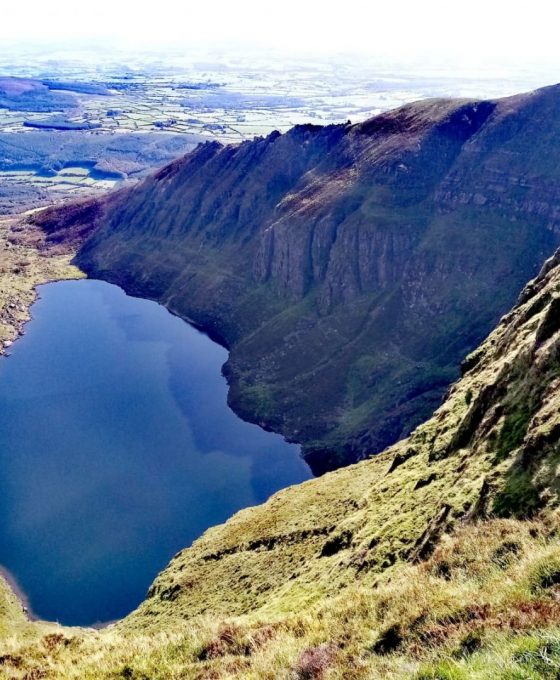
(440, 558)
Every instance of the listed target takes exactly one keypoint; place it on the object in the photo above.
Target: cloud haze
(477, 30)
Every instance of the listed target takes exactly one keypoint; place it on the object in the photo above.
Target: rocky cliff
(347, 268)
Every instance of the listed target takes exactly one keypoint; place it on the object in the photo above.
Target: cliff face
(347, 268)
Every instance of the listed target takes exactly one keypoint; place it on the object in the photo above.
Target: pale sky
(477, 29)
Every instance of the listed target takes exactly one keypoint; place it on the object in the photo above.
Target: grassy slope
(438, 559)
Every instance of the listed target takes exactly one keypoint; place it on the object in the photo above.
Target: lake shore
(27, 262)
(19, 593)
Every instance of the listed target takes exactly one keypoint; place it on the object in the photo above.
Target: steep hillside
(439, 558)
(347, 268)
(491, 450)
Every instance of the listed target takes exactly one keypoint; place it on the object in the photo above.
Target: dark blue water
(117, 449)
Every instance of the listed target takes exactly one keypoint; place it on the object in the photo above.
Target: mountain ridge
(438, 558)
(347, 268)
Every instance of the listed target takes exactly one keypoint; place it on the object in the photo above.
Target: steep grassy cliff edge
(439, 558)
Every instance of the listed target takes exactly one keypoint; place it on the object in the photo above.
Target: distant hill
(25, 94)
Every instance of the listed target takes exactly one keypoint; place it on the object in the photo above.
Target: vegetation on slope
(440, 558)
(484, 605)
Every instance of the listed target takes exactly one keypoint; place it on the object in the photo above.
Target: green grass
(519, 497)
(460, 614)
(513, 431)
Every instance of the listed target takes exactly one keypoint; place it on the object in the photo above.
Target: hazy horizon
(479, 36)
